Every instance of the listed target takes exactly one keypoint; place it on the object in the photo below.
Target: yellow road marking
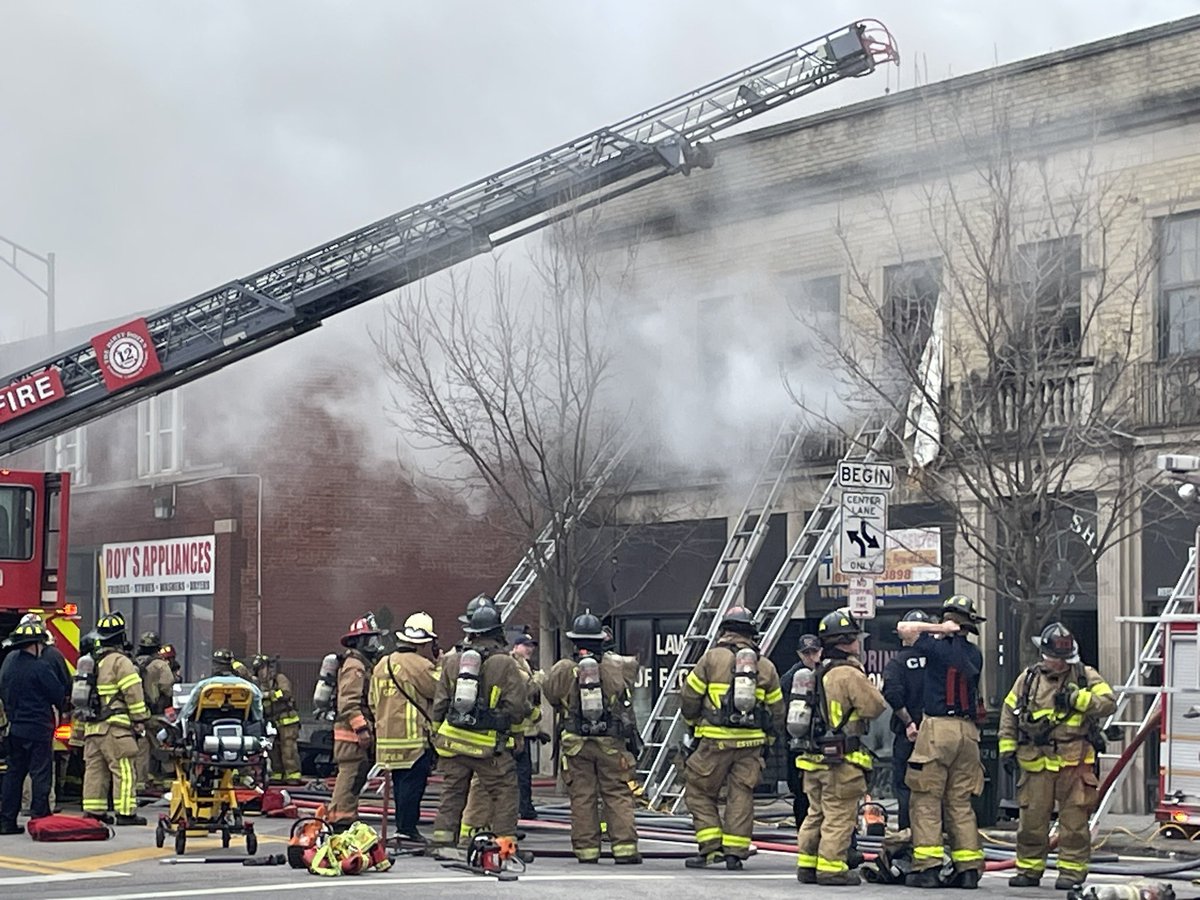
(24, 865)
(115, 858)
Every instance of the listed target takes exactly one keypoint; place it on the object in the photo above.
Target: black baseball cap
(524, 639)
(808, 642)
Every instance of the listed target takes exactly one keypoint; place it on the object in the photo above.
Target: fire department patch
(126, 355)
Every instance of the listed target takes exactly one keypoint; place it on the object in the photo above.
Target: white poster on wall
(166, 568)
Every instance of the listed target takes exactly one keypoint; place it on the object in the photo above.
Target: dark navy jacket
(904, 685)
(952, 667)
(30, 690)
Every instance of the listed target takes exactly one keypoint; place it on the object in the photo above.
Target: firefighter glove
(544, 738)
(365, 742)
(1009, 761)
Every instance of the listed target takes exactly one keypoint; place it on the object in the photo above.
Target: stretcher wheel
(224, 837)
(160, 834)
(251, 843)
(180, 838)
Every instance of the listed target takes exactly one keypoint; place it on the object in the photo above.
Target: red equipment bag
(68, 828)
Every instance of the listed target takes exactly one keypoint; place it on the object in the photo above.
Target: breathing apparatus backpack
(325, 690)
(802, 703)
(594, 719)
(468, 707)
(85, 698)
(740, 707)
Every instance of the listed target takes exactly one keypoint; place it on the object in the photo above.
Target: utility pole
(13, 256)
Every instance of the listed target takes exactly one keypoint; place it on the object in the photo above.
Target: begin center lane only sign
(865, 476)
(862, 539)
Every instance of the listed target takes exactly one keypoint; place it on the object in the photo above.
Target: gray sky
(163, 148)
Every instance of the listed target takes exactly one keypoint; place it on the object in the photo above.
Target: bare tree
(513, 388)
(1009, 354)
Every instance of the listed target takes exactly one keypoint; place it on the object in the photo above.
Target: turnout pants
(408, 787)
(600, 772)
(823, 841)
(109, 760)
(497, 776)
(353, 765)
(1076, 790)
(285, 753)
(944, 773)
(738, 769)
(30, 756)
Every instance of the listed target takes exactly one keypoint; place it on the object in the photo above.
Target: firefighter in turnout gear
(590, 693)
(225, 663)
(167, 653)
(808, 648)
(353, 734)
(481, 697)
(1050, 726)
(402, 690)
(733, 703)
(944, 770)
(114, 722)
(904, 690)
(157, 684)
(834, 761)
(279, 706)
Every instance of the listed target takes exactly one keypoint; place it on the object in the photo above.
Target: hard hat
(738, 618)
(262, 659)
(111, 627)
(31, 618)
(838, 626)
(363, 626)
(418, 629)
(916, 615)
(149, 641)
(963, 606)
(484, 619)
(1057, 643)
(472, 605)
(167, 651)
(808, 643)
(29, 633)
(223, 655)
(586, 627)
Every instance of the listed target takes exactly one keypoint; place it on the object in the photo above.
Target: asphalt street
(130, 867)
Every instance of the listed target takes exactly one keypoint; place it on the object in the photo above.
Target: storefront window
(185, 622)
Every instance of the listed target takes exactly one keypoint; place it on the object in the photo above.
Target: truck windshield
(16, 522)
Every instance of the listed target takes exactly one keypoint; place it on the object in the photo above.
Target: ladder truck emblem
(126, 354)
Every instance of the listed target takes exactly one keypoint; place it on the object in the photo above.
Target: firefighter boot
(967, 880)
(806, 875)
(700, 860)
(926, 878)
(131, 820)
(732, 863)
(1067, 882)
(848, 878)
(1024, 879)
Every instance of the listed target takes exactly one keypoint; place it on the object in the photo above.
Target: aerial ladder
(247, 315)
(663, 731)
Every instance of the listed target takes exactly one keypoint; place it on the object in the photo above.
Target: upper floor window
(1179, 285)
(910, 293)
(68, 453)
(817, 305)
(160, 435)
(1047, 283)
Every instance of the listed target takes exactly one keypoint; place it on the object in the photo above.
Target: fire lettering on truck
(30, 393)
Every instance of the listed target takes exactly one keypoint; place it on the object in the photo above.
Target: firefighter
(590, 693)
(279, 706)
(808, 648)
(353, 736)
(1050, 728)
(29, 693)
(904, 690)
(480, 698)
(402, 689)
(835, 762)
(167, 652)
(224, 663)
(157, 683)
(944, 771)
(113, 725)
(732, 701)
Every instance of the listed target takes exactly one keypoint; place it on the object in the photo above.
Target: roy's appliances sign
(166, 568)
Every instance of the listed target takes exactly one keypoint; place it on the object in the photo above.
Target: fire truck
(248, 315)
(34, 512)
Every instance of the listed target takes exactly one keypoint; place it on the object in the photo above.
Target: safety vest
(278, 703)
